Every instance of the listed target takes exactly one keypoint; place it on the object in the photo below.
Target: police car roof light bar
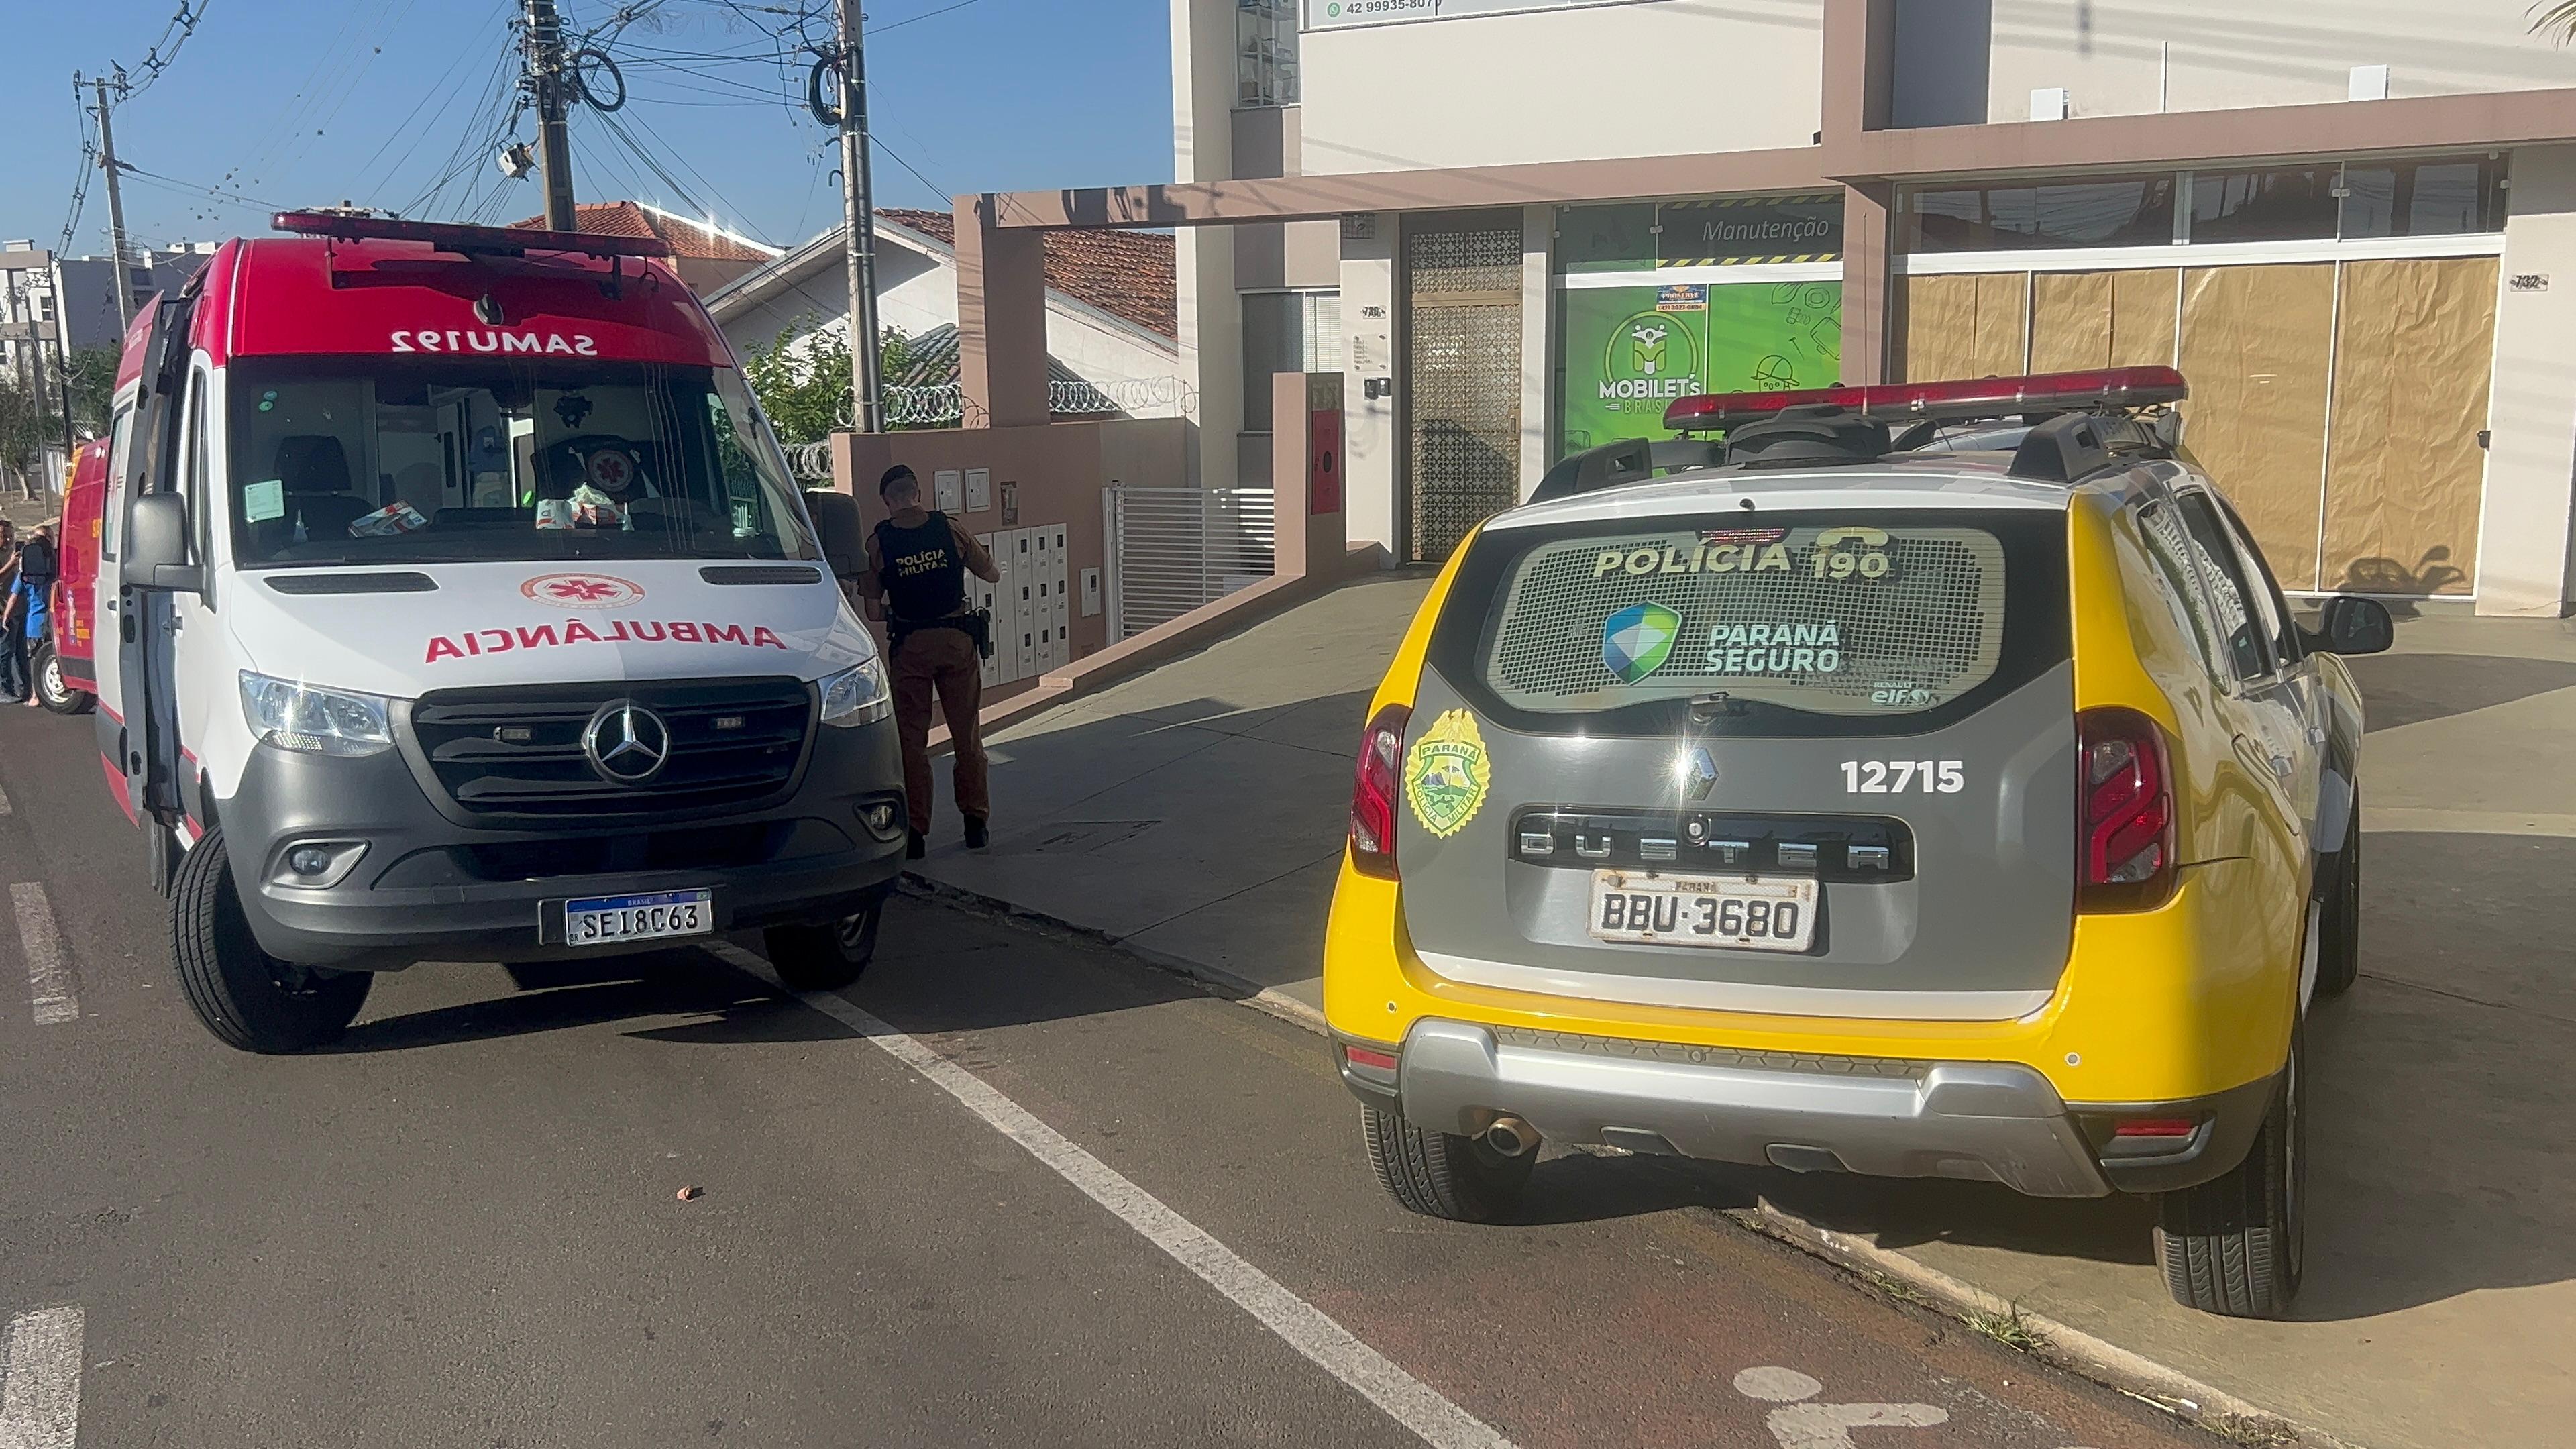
(1984, 397)
(465, 240)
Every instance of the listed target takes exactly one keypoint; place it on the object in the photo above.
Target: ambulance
(61, 663)
(455, 603)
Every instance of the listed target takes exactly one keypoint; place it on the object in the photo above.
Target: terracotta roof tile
(1128, 274)
(625, 218)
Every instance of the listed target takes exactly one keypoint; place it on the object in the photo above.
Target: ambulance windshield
(341, 460)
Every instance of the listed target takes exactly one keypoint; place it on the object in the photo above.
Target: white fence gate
(1172, 550)
(1181, 547)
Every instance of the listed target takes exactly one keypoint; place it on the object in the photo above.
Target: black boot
(918, 847)
(976, 835)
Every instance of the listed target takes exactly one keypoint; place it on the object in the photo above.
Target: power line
(925, 15)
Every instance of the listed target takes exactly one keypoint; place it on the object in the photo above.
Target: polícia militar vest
(925, 570)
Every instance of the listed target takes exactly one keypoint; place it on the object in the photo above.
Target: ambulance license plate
(1745, 913)
(614, 920)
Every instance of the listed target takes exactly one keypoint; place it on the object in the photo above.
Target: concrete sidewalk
(1197, 812)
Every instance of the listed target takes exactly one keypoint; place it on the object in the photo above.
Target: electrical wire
(925, 15)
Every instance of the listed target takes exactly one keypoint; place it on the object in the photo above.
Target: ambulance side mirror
(844, 535)
(156, 548)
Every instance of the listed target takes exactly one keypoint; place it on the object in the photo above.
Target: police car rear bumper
(422, 888)
(1980, 1121)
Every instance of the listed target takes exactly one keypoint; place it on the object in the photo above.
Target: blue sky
(297, 102)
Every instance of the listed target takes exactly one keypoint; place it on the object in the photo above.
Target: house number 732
(1895, 777)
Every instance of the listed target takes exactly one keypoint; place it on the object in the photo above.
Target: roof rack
(1964, 400)
(465, 240)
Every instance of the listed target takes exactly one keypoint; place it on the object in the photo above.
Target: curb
(2061, 1345)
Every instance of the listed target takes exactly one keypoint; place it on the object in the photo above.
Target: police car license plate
(1741, 912)
(608, 920)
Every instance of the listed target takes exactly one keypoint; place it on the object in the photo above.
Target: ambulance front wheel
(827, 956)
(246, 997)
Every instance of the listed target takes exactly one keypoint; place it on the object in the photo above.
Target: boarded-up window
(2413, 358)
(2102, 319)
(2256, 345)
(1965, 326)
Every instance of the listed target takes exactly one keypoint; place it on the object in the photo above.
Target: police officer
(917, 563)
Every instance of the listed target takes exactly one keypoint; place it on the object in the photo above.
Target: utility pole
(858, 213)
(546, 82)
(115, 211)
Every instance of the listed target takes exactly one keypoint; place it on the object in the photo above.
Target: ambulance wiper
(1706, 707)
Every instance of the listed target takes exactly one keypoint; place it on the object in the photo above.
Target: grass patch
(2251, 1432)
(2005, 1325)
(1900, 1290)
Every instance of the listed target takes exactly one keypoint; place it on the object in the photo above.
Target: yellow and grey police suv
(1964, 802)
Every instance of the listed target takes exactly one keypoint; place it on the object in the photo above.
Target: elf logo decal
(485, 339)
(583, 591)
(474, 642)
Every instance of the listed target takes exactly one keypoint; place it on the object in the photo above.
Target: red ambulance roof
(308, 295)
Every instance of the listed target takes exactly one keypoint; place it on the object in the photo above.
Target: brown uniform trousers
(941, 662)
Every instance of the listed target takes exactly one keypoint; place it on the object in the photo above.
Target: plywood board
(2256, 346)
(1965, 326)
(2414, 354)
(2102, 319)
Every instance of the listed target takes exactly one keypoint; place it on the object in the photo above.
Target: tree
(24, 428)
(803, 378)
(2556, 20)
(93, 385)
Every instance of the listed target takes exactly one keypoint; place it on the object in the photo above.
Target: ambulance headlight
(857, 696)
(311, 720)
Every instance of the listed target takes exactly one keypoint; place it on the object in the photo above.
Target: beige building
(1519, 226)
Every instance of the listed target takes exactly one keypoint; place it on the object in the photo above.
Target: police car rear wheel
(1443, 1175)
(825, 957)
(2236, 1246)
(246, 997)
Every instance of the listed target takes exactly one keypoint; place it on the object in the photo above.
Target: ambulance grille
(514, 752)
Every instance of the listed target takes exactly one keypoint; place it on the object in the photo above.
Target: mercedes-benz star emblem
(1695, 772)
(626, 743)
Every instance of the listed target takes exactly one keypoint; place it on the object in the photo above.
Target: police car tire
(2234, 1246)
(826, 957)
(238, 990)
(2339, 919)
(1443, 1175)
(47, 667)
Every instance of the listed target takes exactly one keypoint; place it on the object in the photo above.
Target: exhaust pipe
(1511, 1137)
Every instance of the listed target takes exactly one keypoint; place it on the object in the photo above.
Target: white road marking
(1799, 1425)
(40, 1374)
(1305, 1328)
(49, 973)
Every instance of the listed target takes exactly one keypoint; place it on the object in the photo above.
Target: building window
(1265, 52)
(2318, 201)
(1286, 332)
(2104, 212)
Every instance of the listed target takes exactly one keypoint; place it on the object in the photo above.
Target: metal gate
(1172, 550)
(1463, 394)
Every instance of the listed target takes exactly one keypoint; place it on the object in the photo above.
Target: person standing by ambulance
(916, 581)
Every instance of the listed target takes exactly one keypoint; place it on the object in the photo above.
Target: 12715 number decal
(1895, 777)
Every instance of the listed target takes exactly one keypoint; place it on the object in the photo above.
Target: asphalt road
(1010, 1189)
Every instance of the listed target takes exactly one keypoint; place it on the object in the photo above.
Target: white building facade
(2352, 227)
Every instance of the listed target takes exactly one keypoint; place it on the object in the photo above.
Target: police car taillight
(2125, 812)
(1983, 397)
(1374, 789)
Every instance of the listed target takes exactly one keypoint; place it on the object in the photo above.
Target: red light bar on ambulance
(451, 237)
(1984, 397)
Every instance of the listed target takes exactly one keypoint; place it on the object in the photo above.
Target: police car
(1927, 780)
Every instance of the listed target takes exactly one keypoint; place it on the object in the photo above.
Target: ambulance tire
(825, 957)
(249, 999)
(1441, 1174)
(2339, 913)
(56, 695)
(2235, 1246)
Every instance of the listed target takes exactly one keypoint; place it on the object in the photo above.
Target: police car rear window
(1856, 617)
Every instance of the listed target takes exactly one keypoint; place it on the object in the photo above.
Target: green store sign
(1629, 351)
